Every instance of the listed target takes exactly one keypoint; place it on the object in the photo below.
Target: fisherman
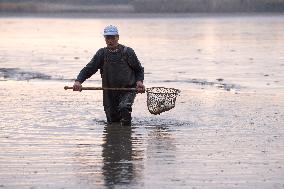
(119, 68)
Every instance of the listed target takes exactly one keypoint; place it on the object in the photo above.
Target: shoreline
(133, 15)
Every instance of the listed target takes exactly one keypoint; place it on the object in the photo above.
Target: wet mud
(18, 74)
(22, 75)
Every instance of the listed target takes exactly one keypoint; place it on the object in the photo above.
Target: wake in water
(152, 122)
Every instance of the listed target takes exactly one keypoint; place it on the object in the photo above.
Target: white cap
(110, 30)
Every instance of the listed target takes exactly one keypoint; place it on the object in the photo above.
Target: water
(226, 130)
(245, 51)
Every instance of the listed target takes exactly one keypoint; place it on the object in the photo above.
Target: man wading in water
(119, 68)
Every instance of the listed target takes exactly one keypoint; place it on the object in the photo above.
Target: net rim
(150, 90)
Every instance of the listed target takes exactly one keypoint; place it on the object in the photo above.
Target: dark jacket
(98, 61)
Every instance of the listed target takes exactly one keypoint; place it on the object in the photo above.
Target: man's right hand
(77, 86)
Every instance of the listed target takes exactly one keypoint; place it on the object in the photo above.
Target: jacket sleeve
(92, 67)
(136, 65)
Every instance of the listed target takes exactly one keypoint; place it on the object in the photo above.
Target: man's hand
(77, 86)
(140, 88)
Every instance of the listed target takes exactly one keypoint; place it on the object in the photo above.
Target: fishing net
(161, 99)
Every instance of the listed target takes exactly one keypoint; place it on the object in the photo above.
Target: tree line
(186, 6)
(143, 6)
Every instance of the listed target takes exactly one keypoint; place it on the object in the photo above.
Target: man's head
(111, 36)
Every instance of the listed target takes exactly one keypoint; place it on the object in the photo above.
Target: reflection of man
(120, 68)
(117, 155)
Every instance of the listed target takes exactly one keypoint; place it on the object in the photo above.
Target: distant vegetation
(141, 6)
(209, 5)
(65, 6)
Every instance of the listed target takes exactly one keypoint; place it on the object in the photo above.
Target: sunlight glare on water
(236, 49)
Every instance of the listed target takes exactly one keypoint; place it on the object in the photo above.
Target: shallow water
(245, 51)
(226, 130)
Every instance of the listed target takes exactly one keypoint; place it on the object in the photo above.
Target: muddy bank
(23, 75)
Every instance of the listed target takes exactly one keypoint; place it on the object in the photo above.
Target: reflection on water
(117, 155)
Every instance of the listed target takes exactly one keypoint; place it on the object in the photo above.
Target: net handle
(106, 88)
(148, 90)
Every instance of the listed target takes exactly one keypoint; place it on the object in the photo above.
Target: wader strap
(105, 59)
(124, 49)
(124, 57)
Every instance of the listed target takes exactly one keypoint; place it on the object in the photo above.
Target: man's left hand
(140, 88)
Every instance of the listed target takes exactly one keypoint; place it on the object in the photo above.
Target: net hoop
(161, 99)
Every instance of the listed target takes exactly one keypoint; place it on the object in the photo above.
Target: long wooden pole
(105, 88)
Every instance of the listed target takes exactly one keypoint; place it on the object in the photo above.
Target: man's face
(111, 40)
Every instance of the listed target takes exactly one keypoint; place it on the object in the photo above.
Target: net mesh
(161, 99)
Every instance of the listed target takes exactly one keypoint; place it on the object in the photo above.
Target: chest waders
(117, 73)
